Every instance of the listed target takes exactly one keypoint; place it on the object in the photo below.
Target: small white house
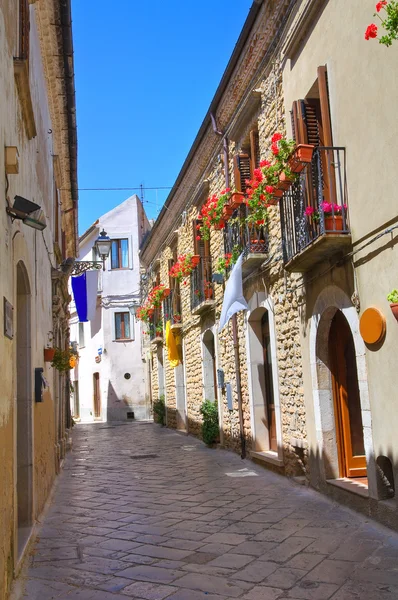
(109, 380)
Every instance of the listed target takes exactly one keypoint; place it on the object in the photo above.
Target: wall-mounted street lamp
(102, 246)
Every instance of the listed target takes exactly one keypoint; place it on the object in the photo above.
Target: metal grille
(323, 180)
(201, 284)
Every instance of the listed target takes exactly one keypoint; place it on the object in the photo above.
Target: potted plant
(332, 213)
(159, 411)
(176, 318)
(208, 290)
(389, 22)
(157, 295)
(210, 425)
(49, 354)
(144, 313)
(237, 198)
(300, 157)
(184, 266)
(393, 300)
(159, 329)
(211, 213)
(64, 360)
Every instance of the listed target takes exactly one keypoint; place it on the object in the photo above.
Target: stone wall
(271, 281)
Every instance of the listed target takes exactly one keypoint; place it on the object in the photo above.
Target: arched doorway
(96, 396)
(209, 366)
(24, 416)
(264, 391)
(346, 399)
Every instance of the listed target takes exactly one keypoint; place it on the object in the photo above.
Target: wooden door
(269, 388)
(97, 396)
(347, 405)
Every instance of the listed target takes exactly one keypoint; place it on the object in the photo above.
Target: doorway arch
(263, 377)
(329, 302)
(209, 366)
(24, 409)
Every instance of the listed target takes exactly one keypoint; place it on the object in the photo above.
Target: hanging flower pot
(236, 199)
(394, 309)
(195, 260)
(49, 354)
(300, 157)
(166, 292)
(393, 300)
(333, 223)
(285, 182)
(227, 212)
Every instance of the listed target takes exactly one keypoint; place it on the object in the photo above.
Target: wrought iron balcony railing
(172, 307)
(201, 285)
(250, 238)
(314, 211)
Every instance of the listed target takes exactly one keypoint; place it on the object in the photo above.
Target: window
(246, 161)
(122, 326)
(81, 335)
(23, 30)
(120, 254)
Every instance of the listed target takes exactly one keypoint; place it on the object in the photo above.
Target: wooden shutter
(172, 280)
(324, 106)
(242, 171)
(254, 150)
(24, 29)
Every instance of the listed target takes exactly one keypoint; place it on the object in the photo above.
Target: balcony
(156, 337)
(309, 234)
(249, 238)
(202, 291)
(172, 309)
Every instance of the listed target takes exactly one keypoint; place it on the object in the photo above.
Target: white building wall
(119, 292)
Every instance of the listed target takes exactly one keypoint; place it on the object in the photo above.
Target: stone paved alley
(144, 512)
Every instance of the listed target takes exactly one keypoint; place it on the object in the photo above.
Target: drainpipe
(234, 318)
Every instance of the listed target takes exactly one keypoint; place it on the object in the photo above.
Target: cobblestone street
(147, 513)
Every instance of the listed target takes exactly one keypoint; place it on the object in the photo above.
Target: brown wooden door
(269, 388)
(97, 397)
(347, 405)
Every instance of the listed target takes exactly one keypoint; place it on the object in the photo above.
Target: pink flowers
(371, 31)
(309, 211)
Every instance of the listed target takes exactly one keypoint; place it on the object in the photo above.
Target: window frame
(122, 326)
(118, 241)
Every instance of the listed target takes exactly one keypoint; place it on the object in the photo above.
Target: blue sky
(146, 72)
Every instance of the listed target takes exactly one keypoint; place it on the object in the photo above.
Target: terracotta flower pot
(227, 212)
(166, 292)
(284, 182)
(177, 318)
(333, 224)
(195, 260)
(394, 309)
(208, 293)
(49, 354)
(300, 158)
(220, 224)
(236, 199)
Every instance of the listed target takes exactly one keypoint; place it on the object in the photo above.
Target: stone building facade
(302, 68)
(38, 225)
(246, 111)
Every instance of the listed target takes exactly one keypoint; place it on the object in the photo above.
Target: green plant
(229, 259)
(393, 296)
(210, 428)
(64, 360)
(159, 327)
(389, 22)
(159, 410)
